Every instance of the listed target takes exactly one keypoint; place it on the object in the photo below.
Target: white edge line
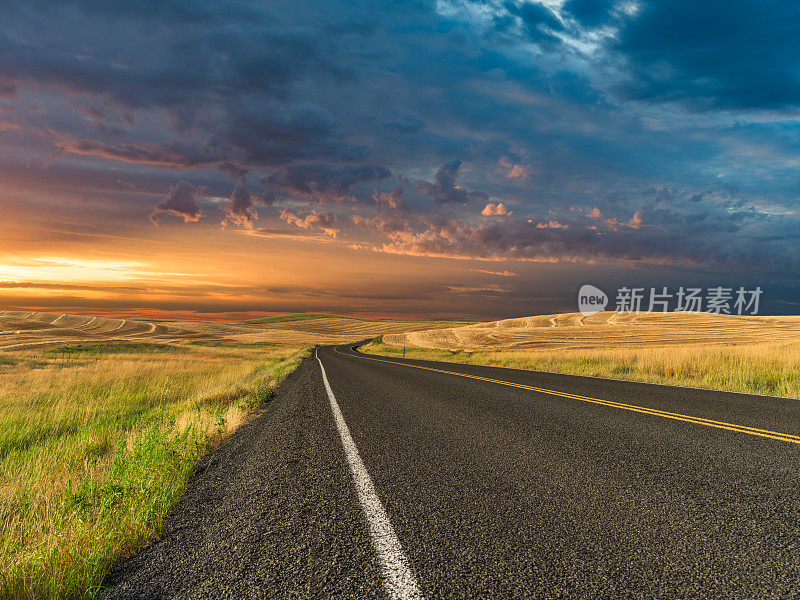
(399, 581)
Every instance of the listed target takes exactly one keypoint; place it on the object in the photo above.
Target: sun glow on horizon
(53, 269)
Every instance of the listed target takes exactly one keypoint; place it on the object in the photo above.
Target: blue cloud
(320, 101)
(715, 54)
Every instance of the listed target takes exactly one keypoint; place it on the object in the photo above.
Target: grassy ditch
(771, 368)
(94, 453)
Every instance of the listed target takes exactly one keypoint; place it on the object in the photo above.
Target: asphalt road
(410, 482)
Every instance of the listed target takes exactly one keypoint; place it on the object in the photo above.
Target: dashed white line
(399, 581)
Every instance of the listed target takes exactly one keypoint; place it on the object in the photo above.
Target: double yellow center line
(774, 435)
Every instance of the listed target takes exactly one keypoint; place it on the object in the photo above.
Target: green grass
(94, 454)
(771, 368)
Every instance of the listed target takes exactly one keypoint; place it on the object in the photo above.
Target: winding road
(374, 477)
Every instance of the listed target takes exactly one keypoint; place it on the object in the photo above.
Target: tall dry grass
(771, 368)
(96, 445)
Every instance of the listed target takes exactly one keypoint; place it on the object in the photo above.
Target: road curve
(416, 479)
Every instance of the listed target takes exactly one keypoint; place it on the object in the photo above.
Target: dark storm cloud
(324, 221)
(539, 21)
(236, 172)
(392, 201)
(172, 154)
(405, 124)
(182, 200)
(240, 210)
(444, 188)
(322, 182)
(219, 79)
(586, 104)
(733, 54)
(656, 226)
(204, 58)
(270, 134)
(590, 13)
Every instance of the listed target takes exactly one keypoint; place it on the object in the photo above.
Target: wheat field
(102, 422)
(607, 330)
(743, 354)
(97, 442)
(25, 330)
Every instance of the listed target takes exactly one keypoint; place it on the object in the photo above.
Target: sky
(417, 160)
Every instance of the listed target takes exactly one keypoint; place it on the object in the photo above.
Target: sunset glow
(399, 167)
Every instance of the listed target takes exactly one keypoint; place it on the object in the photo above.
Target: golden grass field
(744, 354)
(20, 330)
(102, 422)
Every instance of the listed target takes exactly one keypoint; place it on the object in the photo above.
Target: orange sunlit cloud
(336, 177)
